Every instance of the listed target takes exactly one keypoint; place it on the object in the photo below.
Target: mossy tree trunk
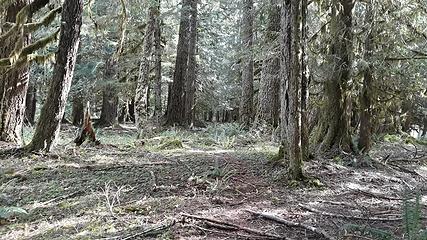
(335, 125)
(158, 49)
(365, 133)
(142, 89)
(52, 112)
(247, 64)
(13, 83)
(269, 93)
(293, 64)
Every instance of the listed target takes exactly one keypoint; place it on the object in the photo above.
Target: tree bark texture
(176, 106)
(190, 84)
(13, 83)
(77, 114)
(292, 43)
(110, 99)
(52, 112)
(366, 95)
(269, 92)
(158, 49)
(31, 103)
(142, 88)
(335, 126)
(246, 101)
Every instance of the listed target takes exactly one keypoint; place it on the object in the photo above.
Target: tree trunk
(292, 69)
(110, 99)
(269, 92)
(336, 122)
(31, 103)
(246, 101)
(13, 84)
(158, 49)
(77, 114)
(190, 84)
(142, 89)
(48, 126)
(365, 133)
(176, 106)
(305, 134)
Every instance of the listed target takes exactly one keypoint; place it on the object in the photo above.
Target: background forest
(286, 112)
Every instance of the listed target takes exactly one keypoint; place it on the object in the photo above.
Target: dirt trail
(120, 192)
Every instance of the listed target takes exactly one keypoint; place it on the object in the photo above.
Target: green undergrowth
(411, 224)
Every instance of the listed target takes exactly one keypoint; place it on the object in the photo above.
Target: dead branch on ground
(292, 224)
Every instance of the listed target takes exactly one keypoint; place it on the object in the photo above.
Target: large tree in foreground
(269, 90)
(190, 84)
(13, 82)
(246, 101)
(293, 82)
(365, 132)
(142, 85)
(175, 112)
(334, 130)
(52, 111)
(16, 54)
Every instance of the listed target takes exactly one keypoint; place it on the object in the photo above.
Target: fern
(413, 229)
(412, 220)
(10, 212)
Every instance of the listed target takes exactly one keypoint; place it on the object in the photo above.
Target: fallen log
(235, 226)
(292, 224)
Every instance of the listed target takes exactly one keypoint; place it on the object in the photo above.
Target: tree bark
(48, 126)
(246, 101)
(190, 84)
(176, 106)
(269, 92)
(158, 49)
(292, 44)
(365, 133)
(305, 138)
(335, 126)
(31, 103)
(13, 84)
(142, 88)
(77, 114)
(110, 99)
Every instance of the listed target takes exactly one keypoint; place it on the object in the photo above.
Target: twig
(352, 236)
(113, 167)
(60, 198)
(292, 224)
(238, 227)
(225, 233)
(151, 231)
(348, 216)
(371, 194)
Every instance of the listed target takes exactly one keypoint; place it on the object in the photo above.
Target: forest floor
(204, 185)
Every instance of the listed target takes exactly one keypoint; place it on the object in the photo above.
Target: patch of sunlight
(102, 158)
(423, 200)
(355, 186)
(422, 171)
(38, 229)
(210, 151)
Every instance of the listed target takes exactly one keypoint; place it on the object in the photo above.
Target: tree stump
(87, 130)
